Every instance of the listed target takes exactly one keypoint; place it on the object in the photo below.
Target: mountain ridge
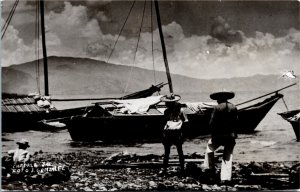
(75, 76)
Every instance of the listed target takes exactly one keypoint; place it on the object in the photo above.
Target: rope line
(120, 32)
(37, 46)
(136, 48)
(9, 15)
(152, 47)
(284, 104)
(9, 18)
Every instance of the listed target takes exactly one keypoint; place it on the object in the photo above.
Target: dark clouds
(222, 31)
(196, 17)
(197, 43)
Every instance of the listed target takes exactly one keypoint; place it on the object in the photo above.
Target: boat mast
(163, 46)
(44, 48)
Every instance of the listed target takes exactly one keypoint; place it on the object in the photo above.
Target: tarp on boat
(139, 106)
(199, 107)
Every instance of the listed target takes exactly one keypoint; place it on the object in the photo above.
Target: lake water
(274, 139)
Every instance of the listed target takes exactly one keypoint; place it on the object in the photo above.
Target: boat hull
(295, 123)
(251, 116)
(24, 121)
(21, 112)
(115, 128)
(135, 128)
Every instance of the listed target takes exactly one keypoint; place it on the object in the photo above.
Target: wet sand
(95, 171)
(83, 159)
(259, 146)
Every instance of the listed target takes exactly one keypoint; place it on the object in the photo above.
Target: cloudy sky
(215, 39)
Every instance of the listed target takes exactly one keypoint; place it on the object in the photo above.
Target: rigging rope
(120, 32)
(284, 104)
(9, 15)
(37, 46)
(6, 24)
(152, 50)
(136, 48)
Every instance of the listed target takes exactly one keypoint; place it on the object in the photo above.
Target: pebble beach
(95, 171)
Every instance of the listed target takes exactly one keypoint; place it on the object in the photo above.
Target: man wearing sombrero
(20, 155)
(172, 133)
(223, 125)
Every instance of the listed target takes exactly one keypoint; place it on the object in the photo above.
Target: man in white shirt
(20, 155)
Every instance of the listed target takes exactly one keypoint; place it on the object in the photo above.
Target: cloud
(78, 34)
(201, 57)
(224, 53)
(102, 17)
(63, 25)
(97, 3)
(14, 49)
(24, 13)
(222, 31)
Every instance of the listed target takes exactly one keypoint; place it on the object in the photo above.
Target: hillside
(78, 76)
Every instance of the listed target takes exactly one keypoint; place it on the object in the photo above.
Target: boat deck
(22, 104)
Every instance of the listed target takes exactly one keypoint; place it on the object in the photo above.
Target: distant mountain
(78, 76)
(15, 81)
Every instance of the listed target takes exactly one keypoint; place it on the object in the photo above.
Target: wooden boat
(22, 113)
(290, 116)
(104, 122)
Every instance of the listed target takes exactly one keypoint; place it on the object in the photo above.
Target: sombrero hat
(23, 142)
(170, 98)
(222, 95)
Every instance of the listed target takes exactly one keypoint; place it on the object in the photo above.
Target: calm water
(273, 141)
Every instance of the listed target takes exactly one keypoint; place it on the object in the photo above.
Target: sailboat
(23, 112)
(141, 119)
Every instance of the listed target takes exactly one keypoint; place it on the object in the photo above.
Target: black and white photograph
(150, 95)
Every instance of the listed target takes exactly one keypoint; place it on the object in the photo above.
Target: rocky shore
(97, 171)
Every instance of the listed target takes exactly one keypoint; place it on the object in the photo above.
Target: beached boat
(294, 118)
(106, 122)
(122, 120)
(22, 112)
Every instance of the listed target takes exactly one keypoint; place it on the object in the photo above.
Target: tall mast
(163, 46)
(44, 48)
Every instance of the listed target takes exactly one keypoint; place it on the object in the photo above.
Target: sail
(144, 93)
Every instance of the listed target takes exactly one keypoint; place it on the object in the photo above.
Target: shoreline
(99, 171)
(255, 147)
